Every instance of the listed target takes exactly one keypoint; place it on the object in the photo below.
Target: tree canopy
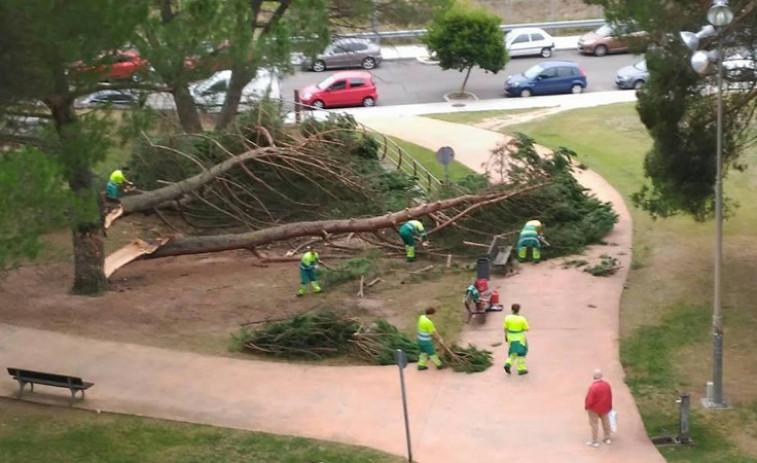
(462, 37)
(678, 107)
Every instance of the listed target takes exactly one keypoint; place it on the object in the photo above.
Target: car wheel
(369, 101)
(319, 66)
(546, 52)
(526, 92)
(576, 89)
(601, 50)
(638, 84)
(136, 77)
(318, 104)
(368, 63)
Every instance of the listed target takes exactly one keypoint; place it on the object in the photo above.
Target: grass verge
(36, 433)
(475, 117)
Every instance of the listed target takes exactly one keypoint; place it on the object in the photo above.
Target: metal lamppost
(706, 63)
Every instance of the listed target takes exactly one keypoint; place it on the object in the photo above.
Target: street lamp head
(703, 62)
(719, 14)
(691, 40)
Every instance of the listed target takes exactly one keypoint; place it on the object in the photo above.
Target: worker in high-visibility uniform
(408, 232)
(516, 326)
(308, 265)
(426, 335)
(531, 237)
(473, 295)
(117, 184)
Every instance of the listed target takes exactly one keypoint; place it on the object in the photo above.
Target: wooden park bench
(71, 383)
(499, 253)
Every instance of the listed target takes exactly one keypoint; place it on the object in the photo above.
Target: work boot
(507, 368)
(522, 372)
(441, 367)
(422, 367)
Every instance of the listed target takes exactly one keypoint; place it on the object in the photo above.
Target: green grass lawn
(427, 158)
(38, 433)
(474, 117)
(666, 308)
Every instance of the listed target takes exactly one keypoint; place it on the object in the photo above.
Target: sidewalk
(400, 52)
(455, 418)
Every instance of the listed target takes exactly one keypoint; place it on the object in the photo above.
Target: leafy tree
(55, 50)
(462, 37)
(678, 107)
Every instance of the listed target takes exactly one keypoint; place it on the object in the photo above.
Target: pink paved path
(455, 418)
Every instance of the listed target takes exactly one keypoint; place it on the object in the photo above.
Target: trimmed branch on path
(226, 242)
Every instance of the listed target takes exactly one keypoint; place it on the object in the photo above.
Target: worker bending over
(531, 237)
(408, 232)
(117, 184)
(308, 265)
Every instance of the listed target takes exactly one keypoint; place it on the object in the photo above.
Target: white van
(529, 41)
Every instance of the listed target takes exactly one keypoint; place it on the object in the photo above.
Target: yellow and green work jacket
(425, 328)
(516, 327)
(309, 260)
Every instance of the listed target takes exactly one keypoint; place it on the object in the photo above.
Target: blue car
(547, 78)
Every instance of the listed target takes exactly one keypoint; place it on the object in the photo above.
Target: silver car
(634, 76)
(346, 53)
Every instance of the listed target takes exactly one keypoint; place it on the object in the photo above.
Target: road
(409, 81)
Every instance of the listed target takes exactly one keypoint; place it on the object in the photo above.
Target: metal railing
(578, 24)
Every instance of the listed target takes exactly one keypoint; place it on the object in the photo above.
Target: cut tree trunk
(189, 117)
(89, 260)
(217, 243)
(164, 196)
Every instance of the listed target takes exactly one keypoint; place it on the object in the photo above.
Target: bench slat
(49, 379)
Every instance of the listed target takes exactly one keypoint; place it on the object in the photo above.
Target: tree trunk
(189, 117)
(240, 76)
(465, 81)
(156, 198)
(87, 230)
(217, 243)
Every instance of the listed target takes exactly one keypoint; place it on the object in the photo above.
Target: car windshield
(604, 31)
(326, 83)
(641, 65)
(533, 72)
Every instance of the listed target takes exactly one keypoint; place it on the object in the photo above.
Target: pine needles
(467, 359)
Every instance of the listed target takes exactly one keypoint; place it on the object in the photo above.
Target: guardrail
(582, 23)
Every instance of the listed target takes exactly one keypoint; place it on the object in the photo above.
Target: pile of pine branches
(318, 335)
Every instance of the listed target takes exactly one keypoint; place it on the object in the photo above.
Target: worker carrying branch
(308, 265)
(426, 335)
(531, 238)
(118, 184)
(408, 232)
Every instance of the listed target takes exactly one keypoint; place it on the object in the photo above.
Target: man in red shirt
(598, 405)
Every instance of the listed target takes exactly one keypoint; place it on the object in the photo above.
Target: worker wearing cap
(308, 265)
(408, 232)
(117, 184)
(531, 237)
(516, 326)
(426, 335)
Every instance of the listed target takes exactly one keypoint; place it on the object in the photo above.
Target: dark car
(116, 98)
(546, 78)
(346, 53)
(634, 76)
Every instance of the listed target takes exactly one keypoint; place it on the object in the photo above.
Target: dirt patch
(523, 11)
(498, 123)
(195, 302)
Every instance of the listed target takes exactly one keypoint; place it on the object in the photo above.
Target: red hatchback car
(348, 88)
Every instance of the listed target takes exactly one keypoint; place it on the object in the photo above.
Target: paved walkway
(455, 418)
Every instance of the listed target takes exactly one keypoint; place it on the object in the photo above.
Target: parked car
(611, 38)
(116, 98)
(211, 92)
(346, 88)
(345, 53)
(116, 65)
(547, 77)
(529, 41)
(633, 76)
